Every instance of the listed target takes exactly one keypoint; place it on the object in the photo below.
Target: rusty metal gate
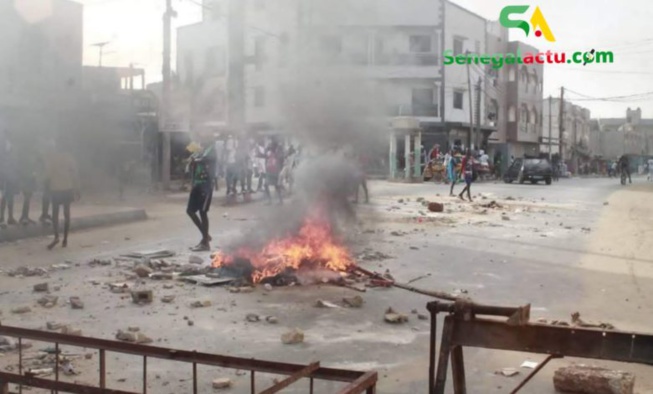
(355, 381)
(463, 327)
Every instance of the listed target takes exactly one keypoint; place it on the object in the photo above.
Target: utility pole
(168, 14)
(550, 121)
(236, 70)
(477, 143)
(443, 107)
(471, 114)
(101, 46)
(561, 124)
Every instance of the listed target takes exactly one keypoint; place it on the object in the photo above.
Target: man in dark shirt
(274, 158)
(624, 165)
(202, 169)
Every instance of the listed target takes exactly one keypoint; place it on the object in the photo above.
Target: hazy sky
(134, 29)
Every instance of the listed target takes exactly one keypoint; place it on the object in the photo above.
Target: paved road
(562, 250)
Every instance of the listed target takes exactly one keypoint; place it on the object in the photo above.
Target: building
(514, 98)
(631, 135)
(40, 64)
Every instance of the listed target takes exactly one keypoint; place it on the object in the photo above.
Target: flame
(313, 247)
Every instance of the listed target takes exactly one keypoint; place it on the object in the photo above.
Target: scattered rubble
(167, 299)
(325, 304)
(76, 303)
(492, 205)
(143, 271)
(41, 288)
(436, 207)
(252, 318)
(52, 326)
(47, 301)
(271, 319)
(508, 372)
(99, 262)
(292, 337)
(577, 321)
(222, 383)
(68, 330)
(27, 272)
(373, 256)
(353, 302)
(394, 318)
(195, 260)
(142, 296)
(421, 316)
(21, 309)
(134, 337)
(200, 304)
(584, 379)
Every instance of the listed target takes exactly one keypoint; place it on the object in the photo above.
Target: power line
(629, 97)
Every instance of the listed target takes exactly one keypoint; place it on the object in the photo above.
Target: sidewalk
(83, 216)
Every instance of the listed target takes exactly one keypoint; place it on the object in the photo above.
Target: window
(458, 45)
(259, 97)
(511, 114)
(423, 102)
(524, 115)
(420, 44)
(458, 99)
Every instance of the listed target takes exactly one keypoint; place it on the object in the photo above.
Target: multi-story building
(631, 135)
(514, 97)
(40, 63)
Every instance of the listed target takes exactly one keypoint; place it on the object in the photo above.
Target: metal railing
(357, 381)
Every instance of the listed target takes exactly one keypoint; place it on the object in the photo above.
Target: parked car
(529, 169)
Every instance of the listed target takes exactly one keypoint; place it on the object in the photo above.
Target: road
(578, 245)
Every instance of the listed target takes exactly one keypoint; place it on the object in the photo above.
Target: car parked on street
(529, 169)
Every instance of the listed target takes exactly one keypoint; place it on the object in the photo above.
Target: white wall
(462, 23)
(375, 12)
(194, 42)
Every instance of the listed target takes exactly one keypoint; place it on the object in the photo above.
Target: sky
(134, 28)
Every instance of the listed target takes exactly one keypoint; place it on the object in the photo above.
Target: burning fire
(314, 247)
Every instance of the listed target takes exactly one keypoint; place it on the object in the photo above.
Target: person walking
(62, 176)
(467, 170)
(202, 169)
(274, 158)
(451, 171)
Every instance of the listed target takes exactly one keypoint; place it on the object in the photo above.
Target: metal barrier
(358, 382)
(462, 327)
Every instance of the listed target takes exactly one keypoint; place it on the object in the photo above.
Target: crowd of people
(26, 169)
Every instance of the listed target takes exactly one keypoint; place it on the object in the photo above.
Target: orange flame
(313, 247)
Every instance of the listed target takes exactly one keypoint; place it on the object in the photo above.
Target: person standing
(231, 168)
(260, 163)
(451, 172)
(10, 184)
(467, 170)
(62, 176)
(219, 163)
(274, 158)
(202, 169)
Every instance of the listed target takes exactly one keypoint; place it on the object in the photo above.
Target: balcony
(425, 111)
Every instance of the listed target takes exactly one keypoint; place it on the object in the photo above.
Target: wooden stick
(435, 294)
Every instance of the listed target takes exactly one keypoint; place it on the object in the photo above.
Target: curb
(85, 222)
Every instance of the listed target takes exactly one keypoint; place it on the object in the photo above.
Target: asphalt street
(577, 245)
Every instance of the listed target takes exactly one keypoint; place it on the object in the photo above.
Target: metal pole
(561, 124)
(165, 116)
(443, 42)
(477, 143)
(471, 115)
(550, 120)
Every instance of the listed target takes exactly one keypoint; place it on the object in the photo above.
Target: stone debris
(143, 271)
(196, 260)
(41, 288)
(292, 337)
(422, 317)
(325, 304)
(492, 205)
(119, 288)
(271, 319)
(267, 287)
(508, 372)
(584, 379)
(167, 299)
(353, 302)
(21, 309)
(200, 304)
(393, 317)
(134, 337)
(577, 321)
(27, 272)
(436, 207)
(142, 296)
(52, 326)
(373, 256)
(100, 262)
(69, 330)
(190, 323)
(252, 318)
(133, 329)
(76, 303)
(168, 286)
(222, 383)
(47, 301)
(505, 217)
